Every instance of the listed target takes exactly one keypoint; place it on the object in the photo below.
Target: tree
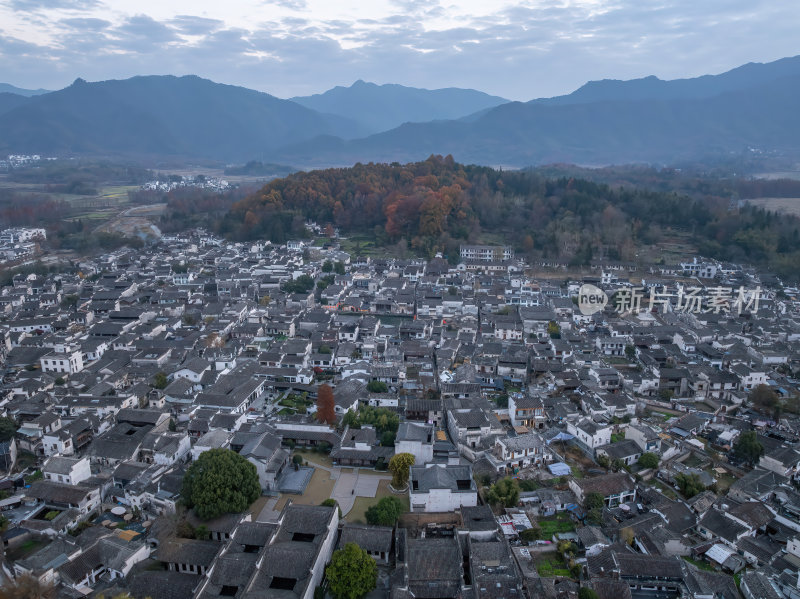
(160, 380)
(26, 587)
(377, 387)
(630, 352)
(400, 467)
(689, 484)
(593, 501)
(763, 397)
(302, 284)
(338, 268)
(220, 482)
(327, 266)
(385, 512)
(665, 394)
(352, 572)
(553, 330)
(504, 492)
(602, 460)
(617, 464)
(587, 593)
(648, 460)
(8, 428)
(326, 412)
(330, 502)
(172, 426)
(747, 448)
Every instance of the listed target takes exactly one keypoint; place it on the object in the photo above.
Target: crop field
(779, 205)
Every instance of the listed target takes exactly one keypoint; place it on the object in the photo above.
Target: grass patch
(551, 564)
(702, 565)
(724, 481)
(358, 513)
(552, 526)
(576, 471)
(25, 459)
(315, 459)
(27, 548)
(668, 491)
(319, 488)
(617, 437)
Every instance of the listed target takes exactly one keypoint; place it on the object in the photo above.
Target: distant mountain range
(6, 88)
(750, 108)
(383, 107)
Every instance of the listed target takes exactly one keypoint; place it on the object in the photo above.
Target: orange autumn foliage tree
(326, 412)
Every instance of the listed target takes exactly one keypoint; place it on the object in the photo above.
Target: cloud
(191, 25)
(522, 51)
(40, 5)
(85, 24)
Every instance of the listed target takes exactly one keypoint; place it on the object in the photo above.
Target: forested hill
(437, 204)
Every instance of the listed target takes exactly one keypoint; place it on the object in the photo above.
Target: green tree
(327, 266)
(747, 448)
(160, 380)
(338, 268)
(630, 352)
(8, 428)
(172, 426)
(587, 593)
(302, 284)
(593, 501)
(689, 484)
(352, 573)
(553, 330)
(377, 387)
(400, 467)
(504, 492)
(385, 512)
(648, 460)
(220, 482)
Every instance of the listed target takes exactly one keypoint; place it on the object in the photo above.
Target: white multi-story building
(487, 252)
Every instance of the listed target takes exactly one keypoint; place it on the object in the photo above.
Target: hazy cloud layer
(293, 47)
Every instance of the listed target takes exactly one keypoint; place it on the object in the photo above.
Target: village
(642, 451)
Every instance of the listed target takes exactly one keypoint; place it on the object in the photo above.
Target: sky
(518, 50)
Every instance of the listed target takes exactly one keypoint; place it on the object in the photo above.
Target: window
(279, 582)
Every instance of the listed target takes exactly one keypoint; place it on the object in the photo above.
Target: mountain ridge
(383, 107)
(747, 109)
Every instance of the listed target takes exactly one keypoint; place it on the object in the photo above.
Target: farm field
(779, 205)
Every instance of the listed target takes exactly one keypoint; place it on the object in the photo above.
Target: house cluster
(19, 243)
(117, 377)
(13, 161)
(178, 181)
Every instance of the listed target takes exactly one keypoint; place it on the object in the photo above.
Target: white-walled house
(590, 434)
(436, 488)
(416, 439)
(67, 362)
(71, 471)
(521, 451)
